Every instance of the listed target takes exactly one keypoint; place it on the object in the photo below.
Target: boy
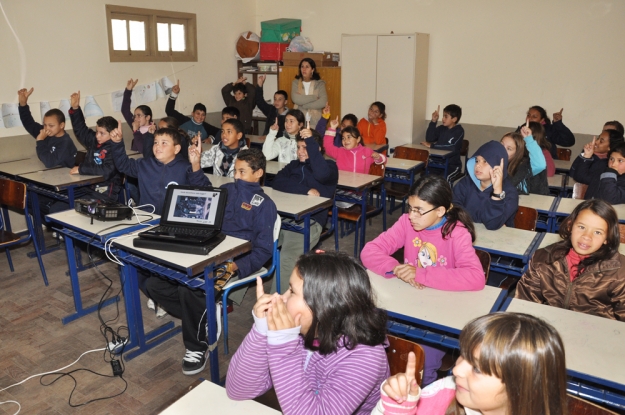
(54, 145)
(278, 109)
(313, 175)
(221, 157)
(348, 120)
(194, 124)
(447, 136)
(250, 214)
(226, 114)
(241, 95)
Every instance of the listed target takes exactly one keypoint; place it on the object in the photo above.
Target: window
(145, 35)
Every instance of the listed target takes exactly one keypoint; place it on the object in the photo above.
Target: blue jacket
(480, 205)
(250, 214)
(315, 173)
(443, 138)
(584, 170)
(557, 134)
(154, 176)
(270, 112)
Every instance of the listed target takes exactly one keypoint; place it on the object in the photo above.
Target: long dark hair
(606, 212)
(543, 113)
(436, 191)
(147, 111)
(315, 75)
(538, 132)
(338, 292)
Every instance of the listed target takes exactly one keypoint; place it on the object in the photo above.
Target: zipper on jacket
(571, 283)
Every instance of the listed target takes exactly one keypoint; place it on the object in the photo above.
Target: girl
(285, 147)
(584, 272)
(320, 345)
(308, 91)
(610, 185)
(594, 159)
(139, 122)
(510, 363)
(437, 239)
(526, 163)
(353, 156)
(348, 120)
(556, 132)
(373, 130)
(538, 132)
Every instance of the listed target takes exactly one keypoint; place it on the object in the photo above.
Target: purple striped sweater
(306, 382)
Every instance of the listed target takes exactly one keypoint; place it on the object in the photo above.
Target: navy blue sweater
(608, 185)
(53, 151)
(270, 112)
(443, 138)
(315, 173)
(250, 214)
(480, 205)
(209, 130)
(585, 170)
(154, 176)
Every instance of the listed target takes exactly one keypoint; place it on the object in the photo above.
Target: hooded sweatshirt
(479, 203)
(358, 160)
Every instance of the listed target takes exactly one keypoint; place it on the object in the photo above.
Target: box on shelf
(272, 51)
(321, 59)
(280, 30)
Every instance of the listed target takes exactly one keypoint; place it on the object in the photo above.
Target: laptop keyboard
(174, 230)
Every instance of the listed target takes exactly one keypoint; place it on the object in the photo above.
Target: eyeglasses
(418, 212)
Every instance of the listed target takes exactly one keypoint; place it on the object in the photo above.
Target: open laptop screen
(194, 206)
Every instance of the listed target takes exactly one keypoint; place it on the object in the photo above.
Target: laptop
(191, 215)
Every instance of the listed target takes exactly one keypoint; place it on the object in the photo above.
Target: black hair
(231, 111)
(254, 157)
(619, 148)
(454, 111)
(171, 122)
(538, 132)
(315, 75)
(55, 112)
(298, 115)
(318, 139)
(175, 134)
(147, 111)
(606, 212)
(355, 132)
(543, 113)
(381, 108)
(236, 124)
(108, 123)
(352, 118)
(283, 93)
(617, 126)
(338, 292)
(239, 88)
(616, 138)
(199, 106)
(436, 191)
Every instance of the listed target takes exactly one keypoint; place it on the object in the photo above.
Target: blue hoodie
(480, 205)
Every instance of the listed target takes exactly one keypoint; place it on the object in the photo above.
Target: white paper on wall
(142, 94)
(44, 106)
(116, 100)
(92, 109)
(166, 84)
(1, 123)
(64, 107)
(11, 116)
(159, 90)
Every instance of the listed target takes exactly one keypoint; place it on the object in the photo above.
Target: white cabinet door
(395, 85)
(358, 74)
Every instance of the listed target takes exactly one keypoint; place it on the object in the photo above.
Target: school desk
(547, 239)
(563, 166)
(193, 271)
(509, 248)
(378, 148)
(565, 207)
(593, 347)
(544, 205)
(273, 167)
(13, 168)
(556, 184)
(79, 227)
(444, 311)
(202, 395)
(438, 159)
(402, 170)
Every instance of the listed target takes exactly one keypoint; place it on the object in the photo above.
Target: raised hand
(274, 126)
(263, 301)
(75, 100)
(261, 79)
(176, 88)
(131, 84)
(23, 95)
(589, 148)
(334, 124)
(116, 134)
(435, 114)
(278, 317)
(195, 155)
(525, 130)
(399, 386)
(326, 109)
(496, 178)
(557, 116)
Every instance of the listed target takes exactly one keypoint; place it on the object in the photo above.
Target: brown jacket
(598, 290)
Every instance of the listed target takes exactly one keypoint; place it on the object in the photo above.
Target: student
(584, 272)
(312, 175)
(348, 120)
(320, 346)
(353, 156)
(284, 147)
(241, 95)
(373, 129)
(510, 363)
(139, 122)
(610, 185)
(278, 110)
(593, 161)
(250, 214)
(437, 238)
(557, 133)
(221, 157)
(538, 132)
(197, 123)
(614, 125)
(486, 192)
(448, 136)
(526, 163)
(54, 145)
(308, 91)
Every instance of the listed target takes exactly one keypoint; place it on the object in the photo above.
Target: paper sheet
(44, 106)
(92, 109)
(64, 106)
(166, 84)
(1, 123)
(142, 94)
(116, 100)
(11, 116)
(159, 90)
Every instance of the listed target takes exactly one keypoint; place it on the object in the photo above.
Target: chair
(485, 261)
(400, 190)
(579, 190)
(621, 228)
(397, 355)
(564, 154)
(526, 218)
(579, 406)
(263, 273)
(13, 195)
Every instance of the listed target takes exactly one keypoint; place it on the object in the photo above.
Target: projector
(103, 211)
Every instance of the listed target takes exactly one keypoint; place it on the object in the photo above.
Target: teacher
(308, 91)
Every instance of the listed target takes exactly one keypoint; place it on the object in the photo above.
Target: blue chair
(14, 195)
(263, 273)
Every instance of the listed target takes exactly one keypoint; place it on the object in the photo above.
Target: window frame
(151, 17)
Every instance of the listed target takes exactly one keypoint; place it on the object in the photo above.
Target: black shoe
(194, 362)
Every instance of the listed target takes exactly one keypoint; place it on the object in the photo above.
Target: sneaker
(151, 305)
(193, 362)
(160, 312)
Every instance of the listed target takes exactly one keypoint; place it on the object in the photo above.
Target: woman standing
(308, 91)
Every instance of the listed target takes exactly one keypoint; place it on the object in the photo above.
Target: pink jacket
(551, 167)
(357, 160)
(445, 264)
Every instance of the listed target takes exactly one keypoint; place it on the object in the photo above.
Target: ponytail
(454, 215)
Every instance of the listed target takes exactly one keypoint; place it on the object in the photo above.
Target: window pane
(137, 35)
(162, 32)
(177, 38)
(120, 36)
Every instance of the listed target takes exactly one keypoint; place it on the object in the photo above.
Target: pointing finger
(501, 164)
(438, 109)
(259, 288)
(561, 109)
(411, 366)
(527, 123)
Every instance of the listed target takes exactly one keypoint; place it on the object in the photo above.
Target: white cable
(108, 251)
(19, 407)
(54, 371)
